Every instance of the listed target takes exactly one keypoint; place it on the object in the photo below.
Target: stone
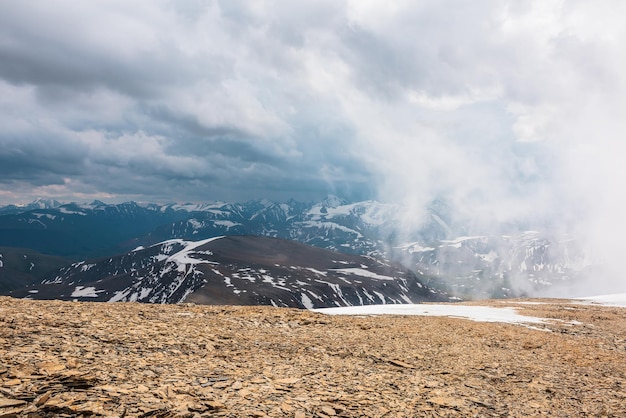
(287, 381)
(49, 367)
(43, 399)
(4, 402)
(447, 401)
(214, 405)
(285, 407)
(328, 410)
(11, 382)
(400, 363)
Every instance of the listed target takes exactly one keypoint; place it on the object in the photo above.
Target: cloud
(205, 99)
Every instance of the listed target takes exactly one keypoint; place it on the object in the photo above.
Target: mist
(522, 127)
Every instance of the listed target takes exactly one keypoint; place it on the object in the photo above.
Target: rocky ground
(136, 360)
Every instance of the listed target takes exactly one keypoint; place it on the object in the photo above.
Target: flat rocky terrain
(139, 360)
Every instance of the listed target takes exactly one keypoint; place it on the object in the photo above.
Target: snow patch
(71, 212)
(363, 273)
(85, 292)
(86, 267)
(474, 313)
(458, 242)
(183, 257)
(318, 272)
(380, 296)
(330, 226)
(119, 295)
(227, 224)
(306, 301)
(45, 215)
(190, 207)
(144, 292)
(195, 224)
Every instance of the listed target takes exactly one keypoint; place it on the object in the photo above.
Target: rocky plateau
(75, 359)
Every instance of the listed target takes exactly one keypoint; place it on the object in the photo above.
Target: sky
(507, 109)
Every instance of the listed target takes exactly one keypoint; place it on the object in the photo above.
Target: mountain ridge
(490, 265)
(238, 270)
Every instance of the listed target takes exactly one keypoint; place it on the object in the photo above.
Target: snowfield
(475, 313)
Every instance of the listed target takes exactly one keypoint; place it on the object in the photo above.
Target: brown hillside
(98, 359)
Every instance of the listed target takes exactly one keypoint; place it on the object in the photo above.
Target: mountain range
(478, 265)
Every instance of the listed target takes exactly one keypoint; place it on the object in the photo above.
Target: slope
(20, 267)
(240, 270)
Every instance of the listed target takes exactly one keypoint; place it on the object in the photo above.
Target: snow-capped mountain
(353, 228)
(479, 265)
(242, 270)
(78, 231)
(97, 229)
(37, 204)
(498, 266)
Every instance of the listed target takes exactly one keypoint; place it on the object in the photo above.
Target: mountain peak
(332, 201)
(42, 203)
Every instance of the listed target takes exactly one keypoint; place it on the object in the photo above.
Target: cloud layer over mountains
(510, 110)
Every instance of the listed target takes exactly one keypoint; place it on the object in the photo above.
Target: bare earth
(98, 359)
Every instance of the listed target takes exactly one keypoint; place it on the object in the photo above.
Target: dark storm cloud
(186, 124)
(60, 70)
(154, 92)
(34, 156)
(193, 137)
